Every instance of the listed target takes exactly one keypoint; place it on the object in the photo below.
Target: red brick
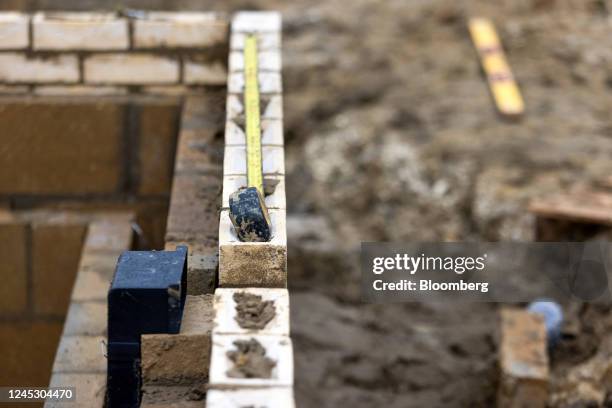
(157, 141)
(56, 250)
(71, 148)
(27, 353)
(13, 268)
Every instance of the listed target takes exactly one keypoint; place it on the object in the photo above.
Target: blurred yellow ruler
(504, 89)
(252, 113)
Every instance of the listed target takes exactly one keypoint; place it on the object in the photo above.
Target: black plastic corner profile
(147, 296)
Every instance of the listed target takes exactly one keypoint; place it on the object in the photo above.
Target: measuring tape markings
(252, 113)
(503, 86)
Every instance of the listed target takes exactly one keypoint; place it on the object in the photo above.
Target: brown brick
(13, 269)
(194, 206)
(157, 141)
(80, 354)
(184, 358)
(56, 250)
(196, 152)
(27, 353)
(523, 360)
(164, 396)
(71, 147)
(89, 389)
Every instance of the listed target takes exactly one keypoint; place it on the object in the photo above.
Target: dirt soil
(252, 312)
(391, 135)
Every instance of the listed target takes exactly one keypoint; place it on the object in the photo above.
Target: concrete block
(268, 361)
(239, 398)
(267, 61)
(256, 21)
(265, 40)
(523, 360)
(203, 72)
(269, 82)
(274, 187)
(176, 30)
(253, 264)
(19, 68)
(13, 269)
(14, 31)
(77, 90)
(90, 389)
(79, 31)
(182, 358)
(261, 311)
(273, 160)
(81, 354)
(137, 68)
(271, 107)
(271, 133)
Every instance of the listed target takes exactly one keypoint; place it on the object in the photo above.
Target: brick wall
(40, 252)
(88, 154)
(111, 53)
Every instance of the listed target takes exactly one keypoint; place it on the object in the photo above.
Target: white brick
(278, 348)
(204, 73)
(265, 41)
(13, 31)
(256, 21)
(269, 398)
(271, 133)
(271, 105)
(17, 68)
(190, 29)
(269, 82)
(79, 90)
(225, 311)
(267, 61)
(273, 162)
(79, 31)
(274, 200)
(131, 69)
(253, 264)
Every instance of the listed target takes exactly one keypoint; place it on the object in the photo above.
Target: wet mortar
(252, 312)
(250, 360)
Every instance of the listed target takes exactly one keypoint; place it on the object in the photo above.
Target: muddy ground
(391, 135)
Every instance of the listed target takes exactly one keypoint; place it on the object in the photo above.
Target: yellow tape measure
(505, 92)
(252, 113)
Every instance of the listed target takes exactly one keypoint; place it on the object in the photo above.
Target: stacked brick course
(111, 53)
(80, 359)
(255, 271)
